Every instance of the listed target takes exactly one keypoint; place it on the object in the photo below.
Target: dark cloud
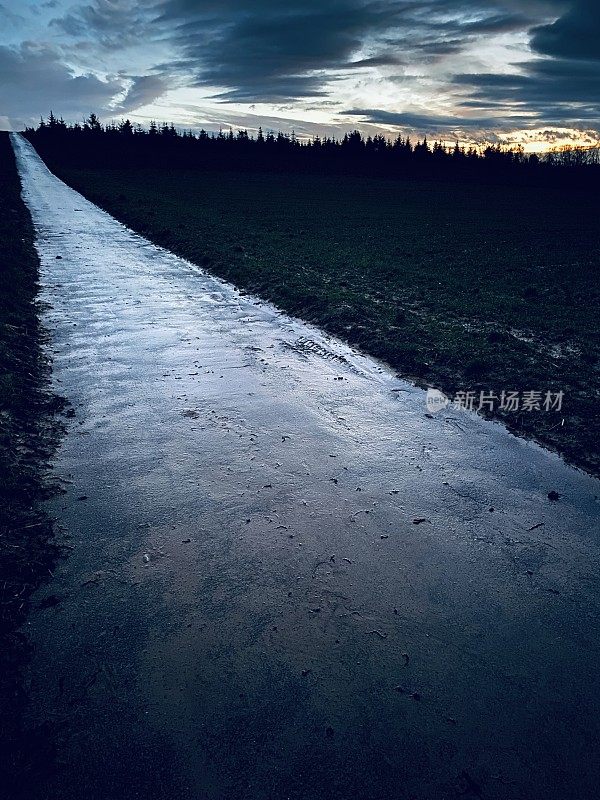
(108, 23)
(10, 17)
(574, 35)
(557, 91)
(382, 60)
(268, 50)
(34, 79)
(438, 49)
(434, 123)
(275, 51)
(563, 88)
(497, 23)
(143, 90)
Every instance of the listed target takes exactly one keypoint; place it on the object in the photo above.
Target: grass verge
(29, 432)
(462, 287)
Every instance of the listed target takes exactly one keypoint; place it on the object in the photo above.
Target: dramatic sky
(476, 70)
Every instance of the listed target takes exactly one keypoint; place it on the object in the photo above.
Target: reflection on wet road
(285, 579)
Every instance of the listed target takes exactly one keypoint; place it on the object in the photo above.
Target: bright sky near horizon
(515, 71)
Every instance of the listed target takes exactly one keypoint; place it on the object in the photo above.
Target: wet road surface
(283, 579)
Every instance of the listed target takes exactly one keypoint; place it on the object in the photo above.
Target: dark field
(461, 287)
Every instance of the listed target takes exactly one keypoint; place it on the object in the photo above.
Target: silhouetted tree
(123, 143)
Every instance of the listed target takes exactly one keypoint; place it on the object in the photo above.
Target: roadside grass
(29, 432)
(457, 286)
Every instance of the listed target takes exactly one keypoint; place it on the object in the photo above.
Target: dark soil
(29, 432)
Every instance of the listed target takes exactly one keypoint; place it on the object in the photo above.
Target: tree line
(91, 143)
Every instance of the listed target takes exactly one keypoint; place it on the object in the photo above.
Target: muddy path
(284, 579)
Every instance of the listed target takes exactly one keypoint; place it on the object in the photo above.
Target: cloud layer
(31, 75)
(430, 65)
